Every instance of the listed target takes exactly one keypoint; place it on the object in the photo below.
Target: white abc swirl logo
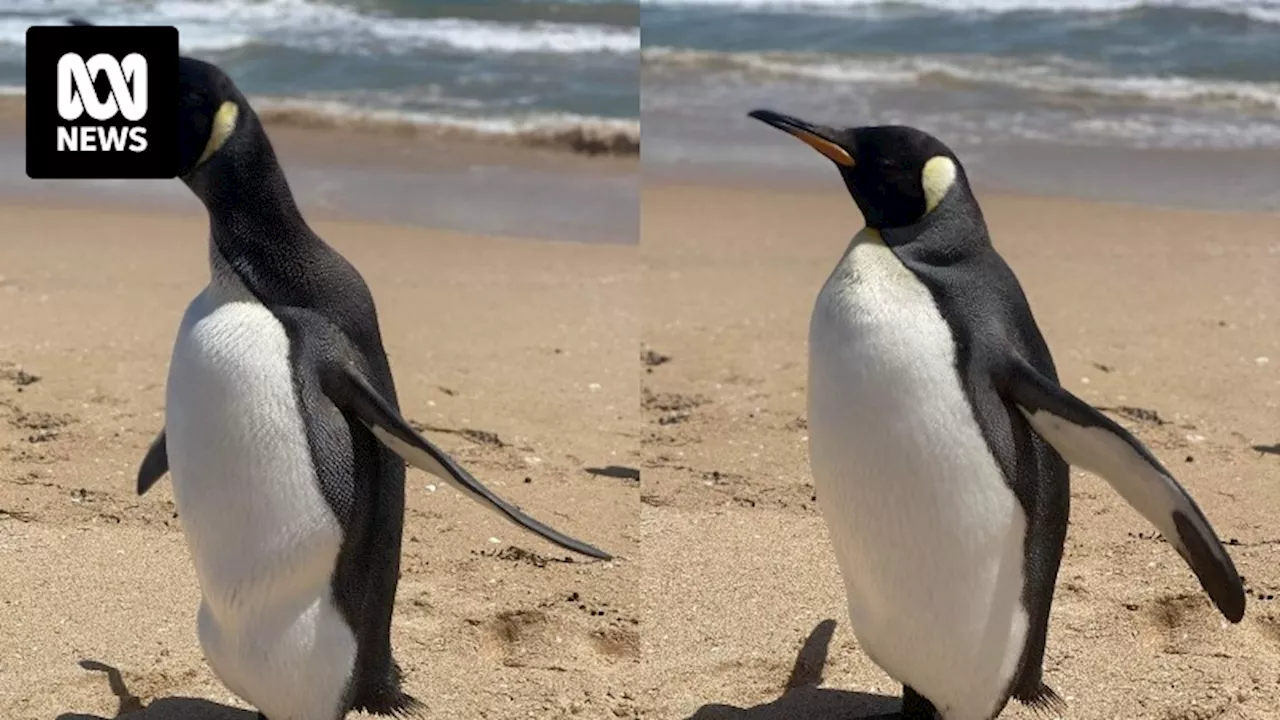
(77, 94)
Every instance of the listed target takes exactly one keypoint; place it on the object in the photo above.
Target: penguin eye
(891, 170)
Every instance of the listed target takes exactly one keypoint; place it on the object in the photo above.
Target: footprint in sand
(1188, 622)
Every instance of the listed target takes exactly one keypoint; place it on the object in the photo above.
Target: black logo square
(102, 102)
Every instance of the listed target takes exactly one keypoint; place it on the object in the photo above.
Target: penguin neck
(951, 232)
(248, 199)
(256, 228)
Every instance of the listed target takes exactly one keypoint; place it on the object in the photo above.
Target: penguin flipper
(1091, 441)
(349, 390)
(154, 464)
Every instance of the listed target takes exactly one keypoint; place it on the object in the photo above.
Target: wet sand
(735, 149)
(1166, 316)
(517, 355)
(390, 174)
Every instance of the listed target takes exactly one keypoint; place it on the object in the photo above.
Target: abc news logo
(102, 102)
(77, 96)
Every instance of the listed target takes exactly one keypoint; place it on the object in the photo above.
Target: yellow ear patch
(938, 176)
(834, 152)
(224, 122)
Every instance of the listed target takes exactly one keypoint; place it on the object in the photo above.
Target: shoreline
(820, 186)
(410, 180)
(700, 126)
(596, 138)
(1210, 180)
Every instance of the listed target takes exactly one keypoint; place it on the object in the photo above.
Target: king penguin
(284, 439)
(939, 439)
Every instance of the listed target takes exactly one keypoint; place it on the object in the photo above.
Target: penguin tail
(1043, 701)
(388, 699)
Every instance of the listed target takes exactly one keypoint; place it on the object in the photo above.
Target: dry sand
(1172, 314)
(728, 595)
(521, 352)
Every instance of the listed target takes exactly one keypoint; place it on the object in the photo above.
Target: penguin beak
(818, 137)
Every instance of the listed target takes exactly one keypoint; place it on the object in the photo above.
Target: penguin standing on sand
(284, 439)
(939, 439)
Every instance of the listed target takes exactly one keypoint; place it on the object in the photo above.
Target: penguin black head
(896, 174)
(211, 111)
(224, 155)
(210, 108)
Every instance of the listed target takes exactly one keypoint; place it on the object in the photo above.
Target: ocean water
(1059, 80)
(552, 72)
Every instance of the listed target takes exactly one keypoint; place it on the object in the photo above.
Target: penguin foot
(388, 699)
(1043, 701)
(915, 706)
(397, 704)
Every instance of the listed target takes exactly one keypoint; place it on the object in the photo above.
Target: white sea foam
(1265, 10)
(584, 134)
(565, 131)
(1055, 77)
(317, 26)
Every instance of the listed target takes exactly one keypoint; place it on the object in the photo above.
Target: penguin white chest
(262, 538)
(928, 536)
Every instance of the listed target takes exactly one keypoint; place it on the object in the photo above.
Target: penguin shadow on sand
(174, 708)
(802, 698)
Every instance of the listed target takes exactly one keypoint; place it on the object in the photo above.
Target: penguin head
(896, 174)
(211, 113)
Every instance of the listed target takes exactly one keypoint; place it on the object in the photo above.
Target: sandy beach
(1165, 316)
(518, 356)
(616, 341)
